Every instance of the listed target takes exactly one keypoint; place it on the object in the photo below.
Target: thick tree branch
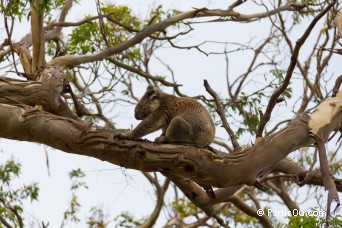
(45, 92)
(42, 92)
(76, 60)
(205, 167)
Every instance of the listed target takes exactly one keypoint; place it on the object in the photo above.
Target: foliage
(313, 221)
(126, 220)
(97, 218)
(85, 38)
(71, 214)
(11, 197)
(46, 6)
(183, 207)
(89, 37)
(305, 221)
(233, 215)
(14, 8)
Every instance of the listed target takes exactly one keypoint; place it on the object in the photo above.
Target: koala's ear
(152, 91)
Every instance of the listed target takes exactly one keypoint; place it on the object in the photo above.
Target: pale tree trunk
(38, 37)
(338, 22)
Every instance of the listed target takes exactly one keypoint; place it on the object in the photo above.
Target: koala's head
(149, 103)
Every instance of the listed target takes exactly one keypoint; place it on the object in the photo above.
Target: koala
(182, 120)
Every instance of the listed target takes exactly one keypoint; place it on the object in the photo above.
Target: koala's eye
(152, 96)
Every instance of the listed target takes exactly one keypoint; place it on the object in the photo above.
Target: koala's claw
(120, 136)
(160, 139)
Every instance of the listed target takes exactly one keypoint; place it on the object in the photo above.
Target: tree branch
(240, 204)
(220, 111)
(160, 191)
(299, 174)
(141, 73)
(4, 222)
(205, 167)
(52, 34)
(277, 185)
(45, 92)
(38, 37)
(149, 30)
(273, 99)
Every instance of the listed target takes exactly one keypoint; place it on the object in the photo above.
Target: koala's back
(194, 113)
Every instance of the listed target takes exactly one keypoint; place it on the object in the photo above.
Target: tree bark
(338, 22)
(204, 166)
(38, 37)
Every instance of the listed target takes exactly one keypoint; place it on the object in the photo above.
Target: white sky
(117, 189)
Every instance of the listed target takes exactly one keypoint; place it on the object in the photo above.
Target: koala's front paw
(125, 135)
(160, 139)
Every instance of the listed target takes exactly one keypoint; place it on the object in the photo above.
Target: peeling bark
(321, 124)
(45, 91)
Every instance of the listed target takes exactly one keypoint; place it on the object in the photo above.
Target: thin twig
(273, 99)
(9, 32)
(220, 111)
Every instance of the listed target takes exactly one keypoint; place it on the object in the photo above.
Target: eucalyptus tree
(61, 89)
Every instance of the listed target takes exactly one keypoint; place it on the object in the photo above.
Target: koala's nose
(137, 116)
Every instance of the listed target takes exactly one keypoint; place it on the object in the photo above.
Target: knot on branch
(186, 165)
(141, 154)
(198, 11)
